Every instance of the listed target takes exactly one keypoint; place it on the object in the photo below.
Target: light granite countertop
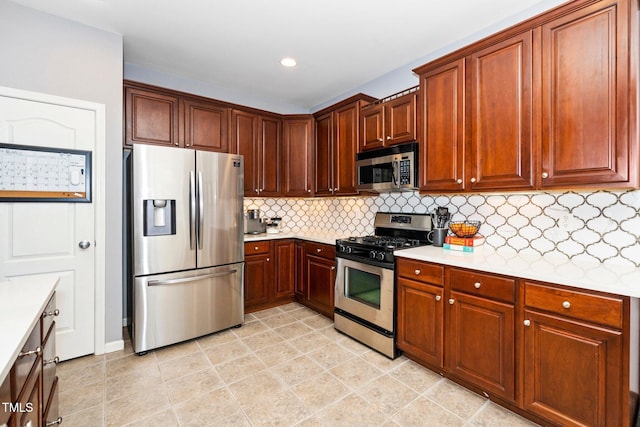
(615, 279)
(22, 301)
(318, 236)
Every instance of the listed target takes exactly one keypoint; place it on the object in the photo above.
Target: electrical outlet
(566, 222)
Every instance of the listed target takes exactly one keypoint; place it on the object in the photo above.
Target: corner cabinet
(549, 103)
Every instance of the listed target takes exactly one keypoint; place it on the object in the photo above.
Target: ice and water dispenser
(159, 217)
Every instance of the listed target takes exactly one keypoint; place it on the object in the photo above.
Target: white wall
(46, 54)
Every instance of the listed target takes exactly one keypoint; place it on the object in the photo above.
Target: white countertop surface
(615, 279)
(319, 236)
(22, 301)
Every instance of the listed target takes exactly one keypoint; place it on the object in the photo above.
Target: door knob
(84, 244)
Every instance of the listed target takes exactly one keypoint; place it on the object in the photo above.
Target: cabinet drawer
(484, 285)
(318, 249)
(254, 248)
(49, 363)
(24, 364)
(420, 271)
(606, 310)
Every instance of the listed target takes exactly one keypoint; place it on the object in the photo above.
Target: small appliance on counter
(273, 225)
(253, 224)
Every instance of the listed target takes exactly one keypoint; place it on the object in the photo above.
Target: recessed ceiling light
(288, 62)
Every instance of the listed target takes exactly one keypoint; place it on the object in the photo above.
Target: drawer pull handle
(55, 360)
(566, 304)
(438, 297)
(54, 422)
(527, 323)
(451, 301)
(417, 272)
(37, 351)
(318, 250)
(255, 248)
(477, 285)
(55, 312)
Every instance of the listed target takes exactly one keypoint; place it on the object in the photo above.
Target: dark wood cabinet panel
(400, 120)
(244, 130)
(572, 372)
(501, 149)
(285, 273)
(481, 343)
(371, 127)
(258, 276)
(442, 115)
(344, 150)
(324, 164)
(586, 97)
(420, 321)
(321, 277)
(206, 126)
(269, 155)
(298, 157)
(300, 280)
(151, 118)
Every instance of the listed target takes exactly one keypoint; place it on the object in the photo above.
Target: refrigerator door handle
(190, 279)
(192, 210)
(200, 210)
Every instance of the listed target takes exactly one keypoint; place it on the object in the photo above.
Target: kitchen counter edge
(328, 238)
(22, 301)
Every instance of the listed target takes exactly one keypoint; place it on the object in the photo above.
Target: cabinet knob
(268, 259)
(451, 301)
(54, 313)
(57, 421)
(309, 191)
(335, 189)
(527, 323)
(388, 138)
(545, 175)
(566, 304)
(256, 190)
(438, 297)
(459, 181)
(175, 143)
(55, 360)
(477, 285)
(255, 248)
(417, 272)
(473, 180)
(37, 351)
(332, 268)
(380, 140)
(319, 250)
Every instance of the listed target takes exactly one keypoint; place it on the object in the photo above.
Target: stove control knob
(373, 254)
(349, 249)
(380, 256)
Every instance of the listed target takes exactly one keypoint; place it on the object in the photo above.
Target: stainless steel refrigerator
(188, 250)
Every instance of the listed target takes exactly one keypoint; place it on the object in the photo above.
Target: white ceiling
(339, 44)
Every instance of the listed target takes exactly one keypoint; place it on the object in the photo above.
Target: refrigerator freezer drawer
(170, 308)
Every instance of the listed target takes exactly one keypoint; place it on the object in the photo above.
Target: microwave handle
(395, 173)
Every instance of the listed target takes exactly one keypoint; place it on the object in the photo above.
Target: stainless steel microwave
(392, 168)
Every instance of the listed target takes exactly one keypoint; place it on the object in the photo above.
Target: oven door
(365, 291)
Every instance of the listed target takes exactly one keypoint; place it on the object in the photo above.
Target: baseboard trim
(112, 346)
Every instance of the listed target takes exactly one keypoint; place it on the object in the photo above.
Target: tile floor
(285, 366)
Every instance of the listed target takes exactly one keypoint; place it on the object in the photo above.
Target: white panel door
(43, 238)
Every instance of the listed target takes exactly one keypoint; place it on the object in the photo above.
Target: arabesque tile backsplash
(599, 226)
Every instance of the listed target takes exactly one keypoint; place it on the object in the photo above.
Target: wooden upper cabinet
(206, 126)
(388, 123)
(587, 93)
(151, 118)
(345, 145)
(323, 177)
(297, 156)
(269, 154)
(442, 108)
(501, 152)
(244, 129)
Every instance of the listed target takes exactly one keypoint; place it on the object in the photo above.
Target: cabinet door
(586, 96)
(258, 276)
(324, 156)
(300, 272)
(420, 321)
(244, 128)
(442, 106)
(206, 126)
(480, 343)
(371, 127)
(321, 277)
(269, 155)
(573, 372)
(298, 158)
(400, 120)
(285, 268)
(151, 118)
(344, 150)
(501, 150)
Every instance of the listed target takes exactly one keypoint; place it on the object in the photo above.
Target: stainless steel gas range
(365, 283)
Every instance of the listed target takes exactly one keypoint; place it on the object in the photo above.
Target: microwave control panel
(405, 172)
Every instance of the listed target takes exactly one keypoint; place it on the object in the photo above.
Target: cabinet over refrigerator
(188, 250)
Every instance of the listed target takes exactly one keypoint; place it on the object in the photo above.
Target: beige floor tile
(256, 388)
(80, 362)
(292, 306)
(226, 351)
(302, 313)
(387, 394)
(134, 407)
(165, 418)
(184, 365)
(318, 321)
(93, 416)
(382, 362)
(250, 329)
(129, 365)
(80, 398)
(238, 419)
(239, 368)
(278, 320)
(81, 376)
(320, 391)
(283, 409)
(331, 355)
(262, 340)
(192, 385)
(455, 398)
(125, 385)
(297, 370)
(423, 412)
(207, 408)
(218, 338)
(310, 342)
(492, 415)
(356, 373)
(267, 313)
(292, 330)
(351, 411)
(415, 376)
(176, 350)
(277, 353)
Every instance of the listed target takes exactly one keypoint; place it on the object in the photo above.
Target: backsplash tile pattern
(601, 226)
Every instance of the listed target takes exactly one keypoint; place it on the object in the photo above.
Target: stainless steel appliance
(187, 242)
(392, 168)
(253, 224)
(365, 284)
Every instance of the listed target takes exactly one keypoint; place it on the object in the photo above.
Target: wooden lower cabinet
(284, 268)
(319, 276)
